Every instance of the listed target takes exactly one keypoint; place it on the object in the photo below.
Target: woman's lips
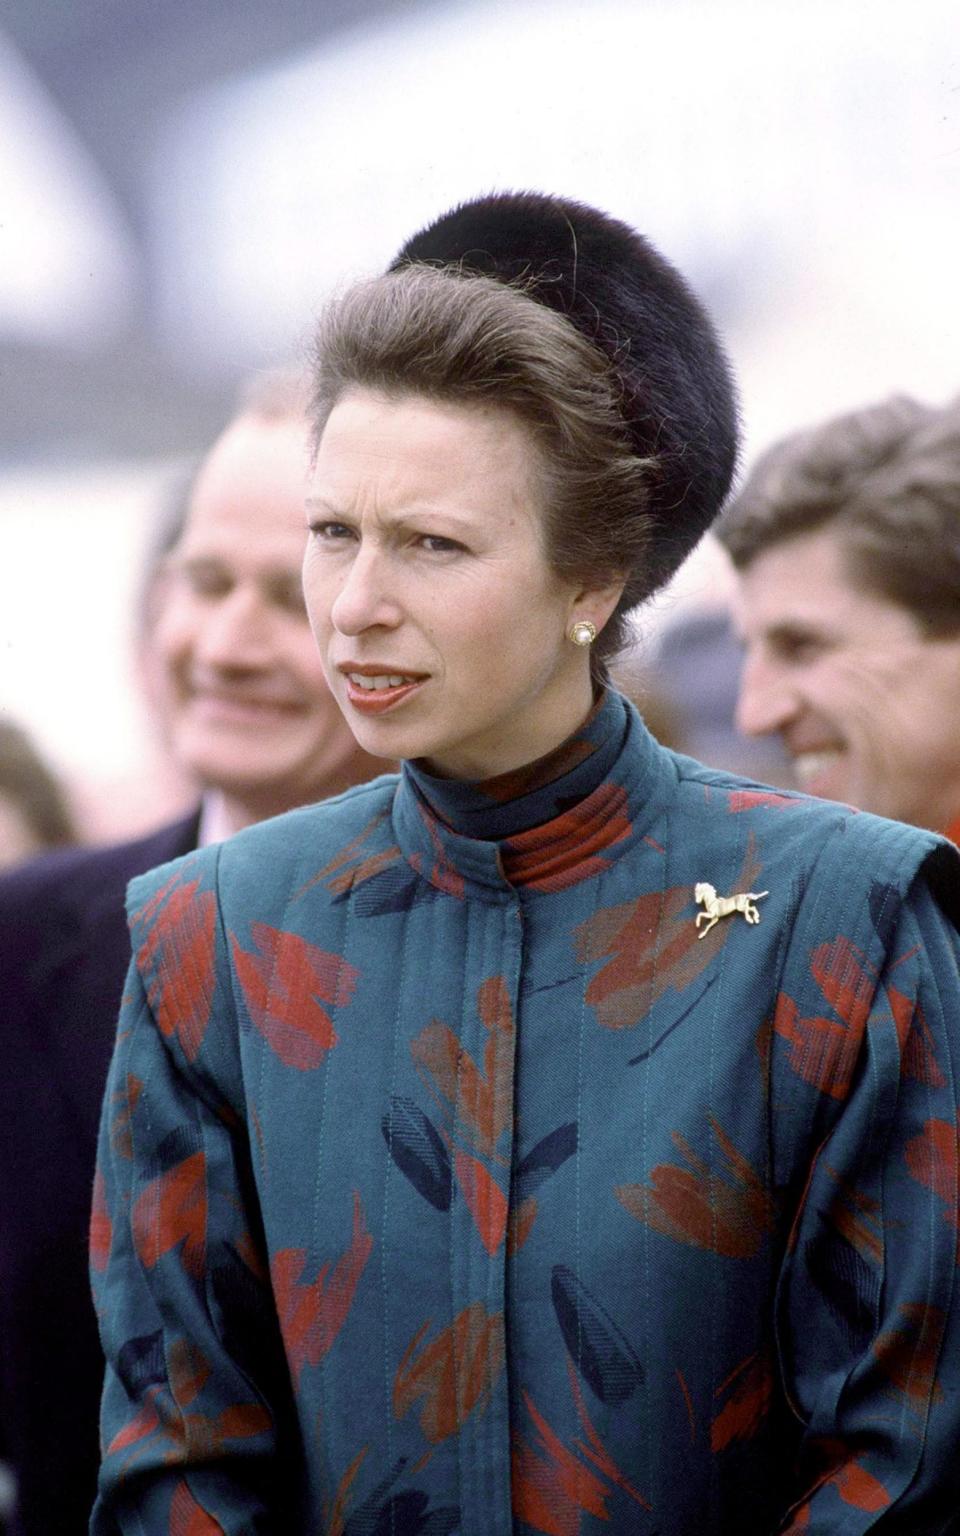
(374, 692)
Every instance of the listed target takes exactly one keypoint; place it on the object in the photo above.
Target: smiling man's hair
(885, 483)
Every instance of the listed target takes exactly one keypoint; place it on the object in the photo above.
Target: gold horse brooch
(716, 906)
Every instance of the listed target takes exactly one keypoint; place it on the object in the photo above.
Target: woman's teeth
(371, 683)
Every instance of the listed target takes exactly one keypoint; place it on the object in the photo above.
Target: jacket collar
(556, 822)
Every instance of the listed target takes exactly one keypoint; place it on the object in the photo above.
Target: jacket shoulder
(820, 844)
(265, 863)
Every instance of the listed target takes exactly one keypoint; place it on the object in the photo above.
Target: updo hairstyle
(571, 322)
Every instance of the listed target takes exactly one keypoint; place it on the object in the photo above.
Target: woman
(560, 1137)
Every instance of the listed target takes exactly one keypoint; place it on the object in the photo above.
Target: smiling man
(847, 543)
(231, 658)
(248, 709)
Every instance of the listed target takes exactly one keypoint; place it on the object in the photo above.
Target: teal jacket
(454, 1179)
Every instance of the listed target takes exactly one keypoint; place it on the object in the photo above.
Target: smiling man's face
(249, 709)
(867, 706)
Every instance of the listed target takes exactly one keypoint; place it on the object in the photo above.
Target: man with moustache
(250, 717)
(847, 543)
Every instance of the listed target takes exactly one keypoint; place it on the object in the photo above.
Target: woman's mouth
(372, 693)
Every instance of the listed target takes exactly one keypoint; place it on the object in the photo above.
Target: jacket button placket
(479, 1224)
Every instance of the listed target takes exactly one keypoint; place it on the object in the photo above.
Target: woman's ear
(595, 604)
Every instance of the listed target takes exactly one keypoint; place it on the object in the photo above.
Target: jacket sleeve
(868, 1307)
(196, 1417)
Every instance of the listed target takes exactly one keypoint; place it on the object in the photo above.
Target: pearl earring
(583, 632)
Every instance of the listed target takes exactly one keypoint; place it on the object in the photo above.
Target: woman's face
(442, 629)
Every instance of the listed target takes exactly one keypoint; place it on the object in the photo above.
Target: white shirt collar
(215, 825)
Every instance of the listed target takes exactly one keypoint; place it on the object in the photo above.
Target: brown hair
(884, 480)
(473, 340)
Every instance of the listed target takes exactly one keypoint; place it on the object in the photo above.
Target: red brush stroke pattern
(337, 1519)
(746, 1409)
(908, 1354)
(140, 1427)
(121, 1131)
(846, 1473)
(152, 905)
(594, 1449)
(847, 980)
(101, 1227)
(824, 1051)
(859, 1488)
(550, 1487)
(520, 1224)
(453, 1375)
(857, 1217)
(443, 874)
(312, 1315)
(189, 1436)
(727, 1212)
(349, 866)
(203, 1438)
(573, 845)
(918, 1053)
(486, 1201)
(800, 1521)
(188, 1371)
(188, 1518)
(180, 944)
(688, 1404)
(482, 1100)
(751, 799)
(933, 1159)
(283, 987)
(170, 1210)
(650, 945)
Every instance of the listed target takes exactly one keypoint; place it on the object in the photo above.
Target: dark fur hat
(676, 389)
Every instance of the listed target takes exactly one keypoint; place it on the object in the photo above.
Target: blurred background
(183, 184)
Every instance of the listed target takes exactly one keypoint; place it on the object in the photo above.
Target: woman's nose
(363, 601)
(765, 701)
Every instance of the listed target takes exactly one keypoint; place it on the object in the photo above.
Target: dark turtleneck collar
(547, 825)
(539, 791)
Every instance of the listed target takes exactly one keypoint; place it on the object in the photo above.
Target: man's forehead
(799, 570)
(257, 544)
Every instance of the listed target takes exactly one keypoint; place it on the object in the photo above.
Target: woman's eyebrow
(400, 517)
(319, 504)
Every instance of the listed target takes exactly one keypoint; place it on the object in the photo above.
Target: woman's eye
(330, 533)
(436, 544)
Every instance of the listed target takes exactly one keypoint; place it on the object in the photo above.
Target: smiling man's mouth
(810, 766)
(244, 704)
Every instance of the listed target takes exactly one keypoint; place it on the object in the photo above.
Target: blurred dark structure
(35, 811)
(117, 70)
(696, 666)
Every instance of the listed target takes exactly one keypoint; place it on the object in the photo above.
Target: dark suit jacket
(64, 950)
